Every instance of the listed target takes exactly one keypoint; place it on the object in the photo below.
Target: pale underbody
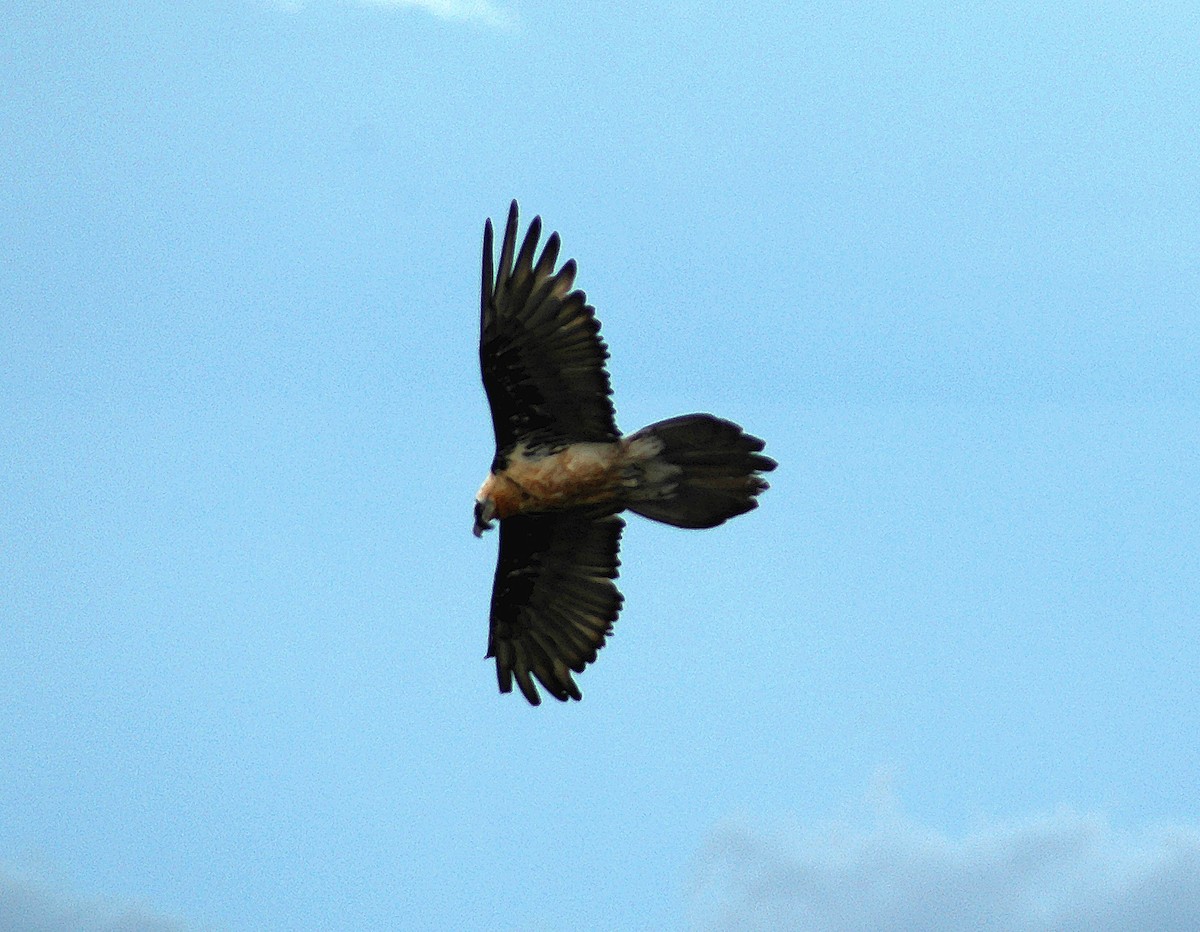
(580, 474)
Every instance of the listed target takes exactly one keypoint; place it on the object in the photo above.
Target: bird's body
(563, 472)
(585, 473)
(536, 480)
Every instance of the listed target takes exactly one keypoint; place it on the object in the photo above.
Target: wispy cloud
(27, 906)
(476, 12)
(1066, 872)
(482, 12)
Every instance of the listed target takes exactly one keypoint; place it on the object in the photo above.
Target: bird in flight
(563, 472)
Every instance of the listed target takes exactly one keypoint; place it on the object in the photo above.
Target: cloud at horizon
(27, 905)
(1065, 872)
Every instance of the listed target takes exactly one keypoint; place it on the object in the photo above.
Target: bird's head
(485, 511)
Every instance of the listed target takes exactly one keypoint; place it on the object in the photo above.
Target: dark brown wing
(554, 600)
(539, 346)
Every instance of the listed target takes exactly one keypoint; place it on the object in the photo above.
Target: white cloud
(1066, 873)
(26, 906)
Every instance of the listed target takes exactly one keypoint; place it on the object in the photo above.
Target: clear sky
(944, 258)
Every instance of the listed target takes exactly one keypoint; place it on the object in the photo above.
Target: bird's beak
(484, 512)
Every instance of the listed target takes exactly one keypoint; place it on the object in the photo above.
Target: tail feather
(696, 471)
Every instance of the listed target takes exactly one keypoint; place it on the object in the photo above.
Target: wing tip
(487, 286)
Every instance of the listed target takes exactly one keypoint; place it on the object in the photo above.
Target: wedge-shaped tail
(699, 471)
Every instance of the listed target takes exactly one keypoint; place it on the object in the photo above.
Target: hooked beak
(484, 512)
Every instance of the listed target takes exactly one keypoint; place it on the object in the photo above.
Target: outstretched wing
(554, 600)
(539, 346)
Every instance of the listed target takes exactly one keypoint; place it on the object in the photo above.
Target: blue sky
(944, 260)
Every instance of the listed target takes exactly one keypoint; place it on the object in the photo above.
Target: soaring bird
(563, 472)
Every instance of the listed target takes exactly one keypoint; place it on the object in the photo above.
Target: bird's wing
(554, 600)
(539, 346)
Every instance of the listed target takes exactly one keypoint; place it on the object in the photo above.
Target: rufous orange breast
(580, 474)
